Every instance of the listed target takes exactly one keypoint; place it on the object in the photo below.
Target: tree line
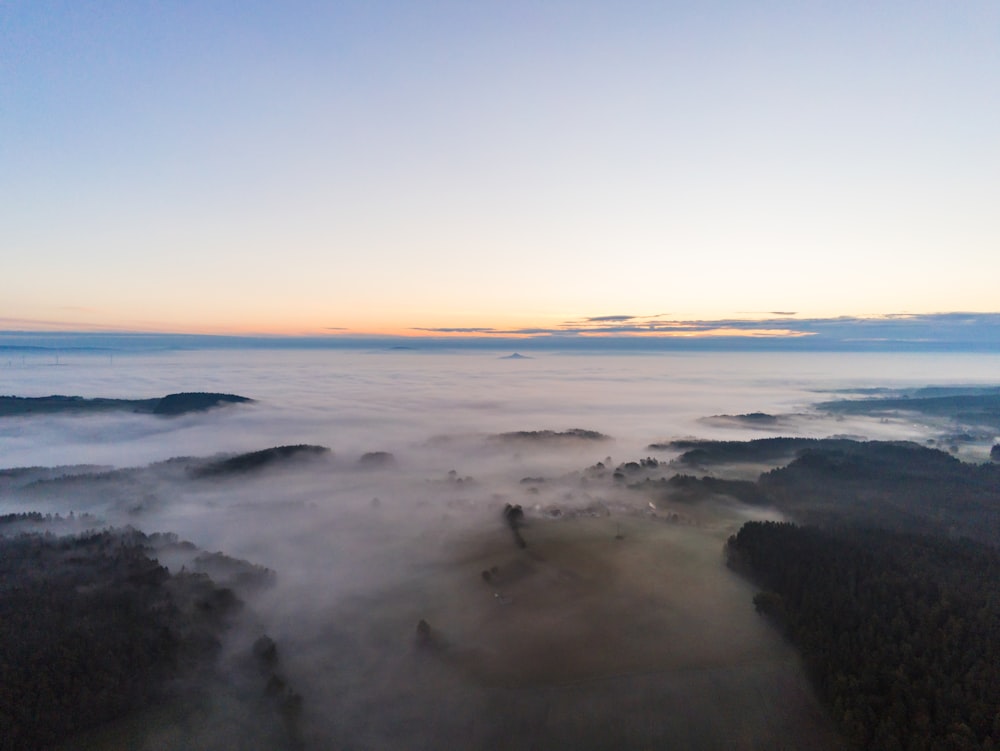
(91, 629)
(899, 632)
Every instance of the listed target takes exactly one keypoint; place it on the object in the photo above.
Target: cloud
(601, 319)
(49, 325)
(631, 327)
(590, 321)
(647, 326)
(958, 331)
(891, 331)
(457, 330)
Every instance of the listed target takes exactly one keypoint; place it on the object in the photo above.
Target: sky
(448, 168)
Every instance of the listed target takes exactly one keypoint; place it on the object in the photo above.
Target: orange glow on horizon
(474, 332)
(589, 328)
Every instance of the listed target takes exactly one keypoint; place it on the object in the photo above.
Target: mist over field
(617, 625)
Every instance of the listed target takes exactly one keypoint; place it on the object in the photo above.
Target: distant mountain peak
(515, 356)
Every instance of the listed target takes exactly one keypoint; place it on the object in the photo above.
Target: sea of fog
(395, 401)
(617, 626)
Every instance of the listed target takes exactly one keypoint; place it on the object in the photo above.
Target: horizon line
(944, 332)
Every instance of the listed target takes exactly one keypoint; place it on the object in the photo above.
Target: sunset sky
(448, 167)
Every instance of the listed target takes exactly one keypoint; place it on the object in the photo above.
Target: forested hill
(167, 406)
(892, 593)
(894, 484)
(901, 633)
(93, 628)
(900, 486)
(971, 406)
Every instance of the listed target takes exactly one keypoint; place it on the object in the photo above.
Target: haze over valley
(409, 607)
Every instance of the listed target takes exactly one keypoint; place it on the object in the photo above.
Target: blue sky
(389, 168)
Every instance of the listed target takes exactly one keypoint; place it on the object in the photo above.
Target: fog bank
(617, 625)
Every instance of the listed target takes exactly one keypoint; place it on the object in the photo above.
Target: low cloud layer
(775, 330)
(783, 329)
(616, 626)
